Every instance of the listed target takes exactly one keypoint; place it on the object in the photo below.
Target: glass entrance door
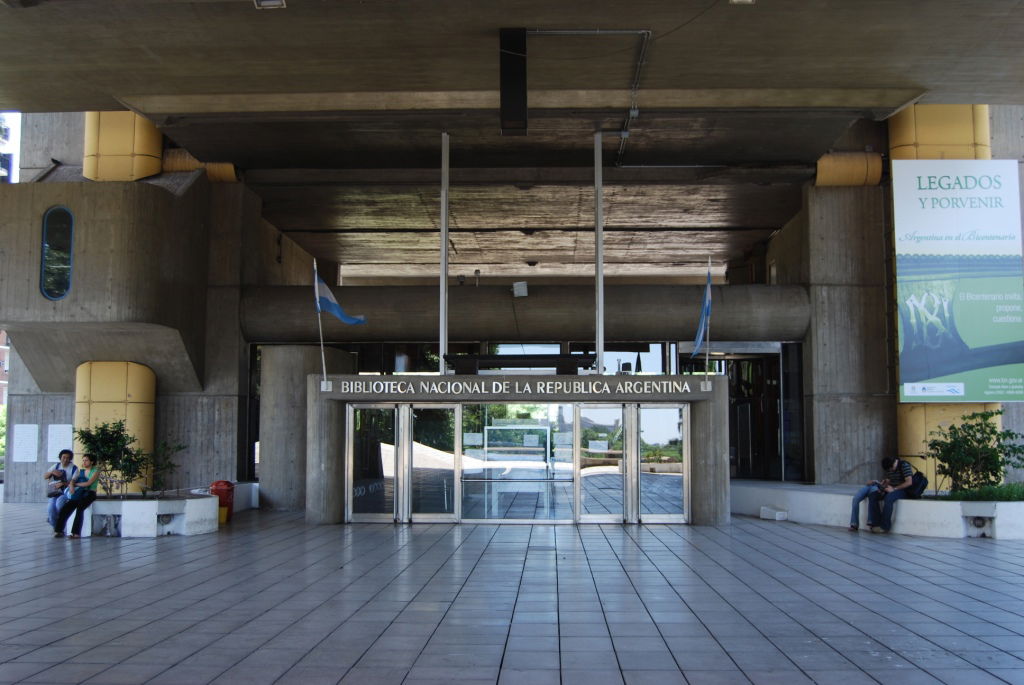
(603, 464)
(517, 462)
(433, 462)
(664, 455)
(371, 484)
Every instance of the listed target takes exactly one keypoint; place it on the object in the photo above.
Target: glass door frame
(399, 485)
(685, 439)
(456, 514)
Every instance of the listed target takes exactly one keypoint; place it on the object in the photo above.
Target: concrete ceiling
(334, 110)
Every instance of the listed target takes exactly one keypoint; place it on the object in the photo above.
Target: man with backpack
(899, 476)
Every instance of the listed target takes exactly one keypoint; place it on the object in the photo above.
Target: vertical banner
(959, 287)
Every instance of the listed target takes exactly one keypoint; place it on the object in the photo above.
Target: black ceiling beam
(512, 47)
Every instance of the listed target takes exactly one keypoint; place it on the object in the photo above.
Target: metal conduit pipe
(284, 314)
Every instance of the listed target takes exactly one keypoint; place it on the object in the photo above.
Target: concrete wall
(272, 258)
(138, 281)
(23, 481)
(50, 136)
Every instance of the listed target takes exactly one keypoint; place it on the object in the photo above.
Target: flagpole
(319, 323)
(707, 335)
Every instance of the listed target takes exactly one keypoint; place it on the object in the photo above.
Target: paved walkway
(271, 600)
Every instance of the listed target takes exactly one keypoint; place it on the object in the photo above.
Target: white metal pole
(707, 336)
(319, 323)
(599, 250)
(443, 305)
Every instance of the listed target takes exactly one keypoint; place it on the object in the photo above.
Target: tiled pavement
(272, 600)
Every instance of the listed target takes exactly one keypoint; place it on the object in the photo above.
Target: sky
(13, 121)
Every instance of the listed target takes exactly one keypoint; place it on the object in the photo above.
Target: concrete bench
(829, 505)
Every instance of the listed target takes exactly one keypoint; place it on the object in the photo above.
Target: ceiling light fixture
(270, 4)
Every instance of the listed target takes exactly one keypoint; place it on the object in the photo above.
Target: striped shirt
(901, 472)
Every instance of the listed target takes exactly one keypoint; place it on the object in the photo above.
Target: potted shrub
(122, 463)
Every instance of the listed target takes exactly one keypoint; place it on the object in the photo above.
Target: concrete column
(325, 457)
(849, 396)
(283, 371)
(709, 458)
(1008, 143)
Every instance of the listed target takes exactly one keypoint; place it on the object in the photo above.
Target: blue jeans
(53, 508)
(880, 506)
(857, 499)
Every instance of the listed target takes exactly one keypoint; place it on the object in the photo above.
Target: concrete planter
(829, 505)
(150, 518)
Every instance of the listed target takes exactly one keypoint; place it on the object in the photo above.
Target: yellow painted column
(121, 146)
(114, 391)
(936, 132)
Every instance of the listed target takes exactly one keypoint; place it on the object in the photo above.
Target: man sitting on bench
(899, 476)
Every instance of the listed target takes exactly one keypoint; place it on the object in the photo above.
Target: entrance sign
(959, 287)
(517, 388)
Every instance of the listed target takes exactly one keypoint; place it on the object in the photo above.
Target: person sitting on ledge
(899, 476)
(81, 493)
(870, 488)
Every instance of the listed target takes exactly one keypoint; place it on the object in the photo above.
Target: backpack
(919, 483)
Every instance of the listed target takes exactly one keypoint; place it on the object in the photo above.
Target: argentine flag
(705, 318)
(325, 302)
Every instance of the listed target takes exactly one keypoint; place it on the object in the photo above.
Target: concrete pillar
(849, 396)
(709, 458)
(325, 457)
(283, 371)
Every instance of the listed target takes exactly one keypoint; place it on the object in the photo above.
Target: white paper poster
(26, 442)
(58, 437)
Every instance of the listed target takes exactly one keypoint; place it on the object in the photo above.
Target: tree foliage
(975, 453)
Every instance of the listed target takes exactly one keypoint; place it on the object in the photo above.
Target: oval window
(55, 266)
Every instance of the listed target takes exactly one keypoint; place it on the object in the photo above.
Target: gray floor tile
(529, 677)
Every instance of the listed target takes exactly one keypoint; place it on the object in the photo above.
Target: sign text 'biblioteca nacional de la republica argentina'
(516, 388)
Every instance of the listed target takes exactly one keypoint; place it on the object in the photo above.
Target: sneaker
(853, 528)
(58, 534)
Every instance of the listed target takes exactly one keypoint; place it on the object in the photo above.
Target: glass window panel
(517, 442)
(661, 460)
(55, 262)
(373, 462)
(433, 461)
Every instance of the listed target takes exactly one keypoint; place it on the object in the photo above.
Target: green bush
(1008, 492)
(975, 454)
(120, 463)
